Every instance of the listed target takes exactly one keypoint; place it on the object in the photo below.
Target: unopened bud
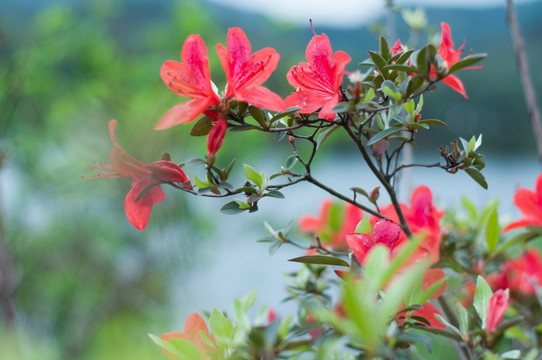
(454, 170)
(380, 147)
(165, 156)
(375, 194)
(417, 117)
(291, 139)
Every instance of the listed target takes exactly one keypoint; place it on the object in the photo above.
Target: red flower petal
(387, 233)
(456, 84)
(428, 312)
(184, 112)
(246, 71)
(122, 162)
(138, 212)
(168, 171)
(360, 244)
(192, 79)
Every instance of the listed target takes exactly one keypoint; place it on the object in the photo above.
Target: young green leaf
(481, 299)
(492, 231)
(364, 226)
(253, 176)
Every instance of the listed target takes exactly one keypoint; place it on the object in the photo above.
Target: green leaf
(248, 300)
(232, 208)
(194, 161)
(320, 260)
(403, 68)
(468, 61)
(432, 122)
(360, 191)
(481, 299)
(290, 162)
(512, 354)
(179, 347)
(391, 90)
(288, 112)
(422, 62)
(409, 106)
(259, 116)
(403, 58)
(384, 48)
(383, 134)
(492, 231)
(379, 62)
(477, 176)
(201, 184)
(432, 290)
(325, 134)
(202, 127)
(469, 206)
(463, 319)
(275, 193)
(414, 85)
(363, 227)
(252, 175)
(221, 326)
(448, 325)
(441, 332)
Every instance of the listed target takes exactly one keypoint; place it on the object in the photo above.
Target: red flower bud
(216, 137)
(496, 309)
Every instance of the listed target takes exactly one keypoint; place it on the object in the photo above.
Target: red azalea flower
(318, 82)
(496, 309)
(146, 180)
(423, 218)
(193, 327)
(397, 47)
(450, 56)
(530, 204)
(191, 79)
(331, 231)
(385, 232)
(246, 71)
(521, 274)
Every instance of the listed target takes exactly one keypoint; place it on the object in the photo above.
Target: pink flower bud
(496, 309)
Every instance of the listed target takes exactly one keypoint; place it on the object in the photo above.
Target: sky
(344, 13)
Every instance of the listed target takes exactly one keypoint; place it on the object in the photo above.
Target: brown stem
(382, 179)
(525, 77)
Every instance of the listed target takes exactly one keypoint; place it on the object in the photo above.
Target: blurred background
(77, 281)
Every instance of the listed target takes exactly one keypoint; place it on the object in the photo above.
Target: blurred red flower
(422, 218)
(194, 328)
(332, 224)
(384, 232)
(450, 56)
(530, 204)
(146, 180)
(520, 275)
